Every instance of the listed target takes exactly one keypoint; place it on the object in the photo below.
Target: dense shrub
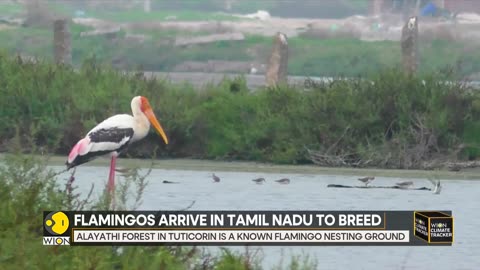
(408, 118)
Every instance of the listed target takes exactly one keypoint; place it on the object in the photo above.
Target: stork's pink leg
(111, 180)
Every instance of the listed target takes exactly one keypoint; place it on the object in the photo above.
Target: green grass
(10, 9)
(341, 57)
(30, 41)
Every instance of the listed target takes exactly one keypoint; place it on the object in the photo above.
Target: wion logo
(55, 229)
(433, 227)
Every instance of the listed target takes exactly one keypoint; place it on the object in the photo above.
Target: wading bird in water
(366, 180)
(215, 178)
(437, 187)
(284, 181)
(114, 134)
(259, 181)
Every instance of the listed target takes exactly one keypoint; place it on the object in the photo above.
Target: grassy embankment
(395, 122)
(309, 56)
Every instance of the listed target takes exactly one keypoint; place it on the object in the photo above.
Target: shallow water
(236, 191)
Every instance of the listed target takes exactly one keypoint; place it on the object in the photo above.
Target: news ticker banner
(321, 228)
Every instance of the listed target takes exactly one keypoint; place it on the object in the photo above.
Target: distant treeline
(390, 119)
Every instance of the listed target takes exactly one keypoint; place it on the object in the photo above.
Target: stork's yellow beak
(158, 128)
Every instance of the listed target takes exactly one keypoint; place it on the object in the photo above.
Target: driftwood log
(423, 153)
(451, 165)
(322, 159)
(384, 187)
(332, 160)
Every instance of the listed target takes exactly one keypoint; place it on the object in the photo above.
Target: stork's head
(141, 103)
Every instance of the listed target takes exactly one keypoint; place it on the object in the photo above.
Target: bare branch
(339, 139)
(82, 204)
(188, 207)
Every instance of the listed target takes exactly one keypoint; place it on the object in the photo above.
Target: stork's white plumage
(110, 135)
(114, 134)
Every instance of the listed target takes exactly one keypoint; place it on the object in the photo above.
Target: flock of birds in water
(258, 181)
(366, 180)
(404, 184)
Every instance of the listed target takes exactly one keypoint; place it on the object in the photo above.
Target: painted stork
(114, 134)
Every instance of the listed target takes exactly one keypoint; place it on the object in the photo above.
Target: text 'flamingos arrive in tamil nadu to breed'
(114, 134)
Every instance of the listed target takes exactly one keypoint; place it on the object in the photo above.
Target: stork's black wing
(104, 141)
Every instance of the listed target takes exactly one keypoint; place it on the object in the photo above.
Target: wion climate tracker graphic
(223, 228)
(434, 227)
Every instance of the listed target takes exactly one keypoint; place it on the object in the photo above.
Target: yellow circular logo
(56, 223)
